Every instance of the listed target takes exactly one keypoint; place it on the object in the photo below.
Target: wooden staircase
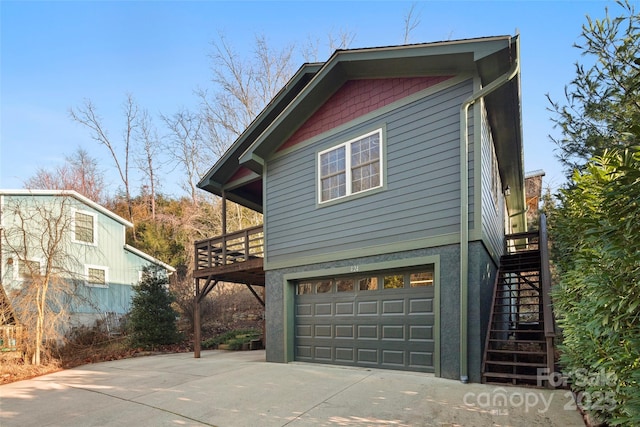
(519, 344)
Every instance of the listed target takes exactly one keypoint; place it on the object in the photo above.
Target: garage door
(382, 320)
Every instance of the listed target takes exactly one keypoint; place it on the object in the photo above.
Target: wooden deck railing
(231, 248)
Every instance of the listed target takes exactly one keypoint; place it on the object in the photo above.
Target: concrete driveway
(241, 389)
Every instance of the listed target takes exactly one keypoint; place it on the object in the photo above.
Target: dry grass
(14, 369)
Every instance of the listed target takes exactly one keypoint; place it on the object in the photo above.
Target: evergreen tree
(152, 319)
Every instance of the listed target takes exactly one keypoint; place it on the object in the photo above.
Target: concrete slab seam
(328, 398)
(142, 404)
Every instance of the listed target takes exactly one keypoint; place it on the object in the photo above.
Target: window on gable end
(84, 227)
(351, 167)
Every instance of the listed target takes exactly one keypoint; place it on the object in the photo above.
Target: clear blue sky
(56, 54)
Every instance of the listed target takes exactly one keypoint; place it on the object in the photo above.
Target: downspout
(464, 203)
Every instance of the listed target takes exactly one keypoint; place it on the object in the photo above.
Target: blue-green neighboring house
(98, 266)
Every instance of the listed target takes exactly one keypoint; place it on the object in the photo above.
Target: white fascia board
(68, 193)
(149, 258)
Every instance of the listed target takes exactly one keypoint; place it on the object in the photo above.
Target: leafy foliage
(602, 109)
(595, 225)
(597, 252)
(234, 338)
(152, 320)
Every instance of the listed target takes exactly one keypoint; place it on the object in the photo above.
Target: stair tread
(540, 353)
(518, 285)
(507, 363)
(520, 304)
(510, 375)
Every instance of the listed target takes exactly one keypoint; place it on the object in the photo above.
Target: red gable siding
(240, 173)
(356, 98)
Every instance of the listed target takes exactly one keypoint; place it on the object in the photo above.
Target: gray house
(372, 252)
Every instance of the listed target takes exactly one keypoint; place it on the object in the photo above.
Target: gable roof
(69, 193)
(487, 57)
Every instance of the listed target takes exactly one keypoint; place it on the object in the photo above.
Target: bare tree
(243, 87)
(341, 40)
(411, 22)
(34, 243)
(187, 148)
(87, 115)
(146, 156)
(80, 173)
(310, 50)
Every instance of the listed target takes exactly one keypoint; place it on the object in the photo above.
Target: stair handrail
(545, 279)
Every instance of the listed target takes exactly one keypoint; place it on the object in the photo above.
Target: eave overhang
(505, 119)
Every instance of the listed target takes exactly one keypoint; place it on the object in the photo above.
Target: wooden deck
(234, 257)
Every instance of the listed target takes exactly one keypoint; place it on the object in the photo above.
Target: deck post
(196, 320)
(224, 213)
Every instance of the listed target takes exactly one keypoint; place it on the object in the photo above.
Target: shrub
(152, 320)
(597, 251)
(234, 339)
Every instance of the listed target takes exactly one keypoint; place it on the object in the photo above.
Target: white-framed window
(85, 227)
(351, 167)
(96, 276)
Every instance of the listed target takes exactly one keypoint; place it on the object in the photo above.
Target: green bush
(209, 344)
(152, 320)
(234, 339)
(595, 233)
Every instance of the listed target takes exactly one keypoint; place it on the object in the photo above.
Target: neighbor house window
(96, 276)
(351, 167)
(84, 227)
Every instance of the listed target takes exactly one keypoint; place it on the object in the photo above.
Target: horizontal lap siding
(492, 213)
(421, 199)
